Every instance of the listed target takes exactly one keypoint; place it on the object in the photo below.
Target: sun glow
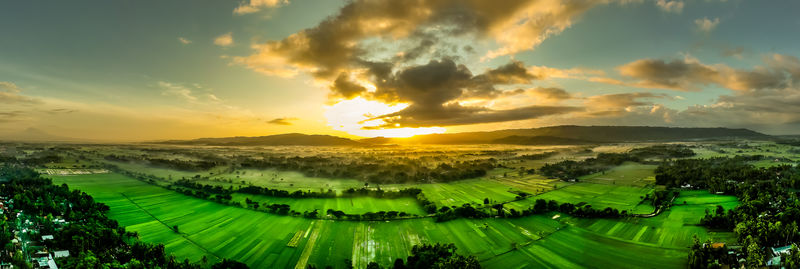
(351, 116)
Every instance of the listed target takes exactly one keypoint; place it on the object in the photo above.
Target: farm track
(168, 227)
(657, 211)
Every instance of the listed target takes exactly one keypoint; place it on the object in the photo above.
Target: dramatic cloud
(341, 42)
(705, 25)
(184, 41)
(670, 5)
(689, 74)
(433, 92)
(252, 6)
(282, 121)
(225, 40)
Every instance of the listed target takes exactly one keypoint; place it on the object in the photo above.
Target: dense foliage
(375, 170)
(767, 216)
(571, 170)
(93, 240)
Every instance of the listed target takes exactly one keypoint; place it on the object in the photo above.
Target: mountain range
(554, 135)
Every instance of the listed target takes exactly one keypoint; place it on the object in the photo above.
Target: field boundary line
(168, 227)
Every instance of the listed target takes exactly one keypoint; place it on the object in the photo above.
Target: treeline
(93, 240)
(663, 151)
(571, 170)
(177, 164)
(438, 256)
(540, 206)
(537, 156)
(719, 174)
(375, 171)
(766, 217)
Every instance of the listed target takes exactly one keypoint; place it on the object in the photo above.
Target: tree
(755, 258)
(399, 264)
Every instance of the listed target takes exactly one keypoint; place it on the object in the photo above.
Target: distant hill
(539, 140)
(555, 135)
(581, 134)
(35, 135)
(293, 139)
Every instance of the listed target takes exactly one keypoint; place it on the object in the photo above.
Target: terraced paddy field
(350, 205)
(263, 240)
(598, 195)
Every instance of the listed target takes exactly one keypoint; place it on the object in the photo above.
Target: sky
(115, 70)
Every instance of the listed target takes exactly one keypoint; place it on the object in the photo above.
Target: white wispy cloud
(706, 25)
(670, 5)
(224, 40)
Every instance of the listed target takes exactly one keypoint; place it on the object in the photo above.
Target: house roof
(782, 249)
(61, 253)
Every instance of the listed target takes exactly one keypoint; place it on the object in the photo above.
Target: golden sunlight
(351, 116)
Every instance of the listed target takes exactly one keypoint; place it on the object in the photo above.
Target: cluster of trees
(767, 216)
(177, 164)
(571, 170)
(716, 174)
(662, 151)
(351, 192)
(427, 256)
(93, 240)
(537, 156)
(284, 193)
(184, 165)
(375, 171)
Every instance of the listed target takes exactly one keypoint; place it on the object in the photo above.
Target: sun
(348, 116)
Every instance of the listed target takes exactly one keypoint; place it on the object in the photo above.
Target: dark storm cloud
(384, 42)
(334, 45)
(346, 88)
(433, 89)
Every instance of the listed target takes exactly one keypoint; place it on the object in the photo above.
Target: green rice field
(264, 240)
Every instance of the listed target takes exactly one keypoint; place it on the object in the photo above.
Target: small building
(781, 250)
(61, 254)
